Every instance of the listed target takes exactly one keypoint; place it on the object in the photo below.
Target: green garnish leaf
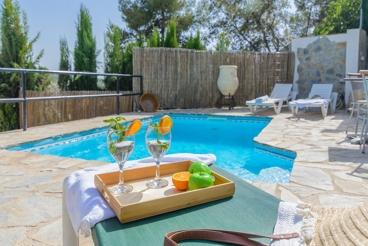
(162, 145)
(119, 130)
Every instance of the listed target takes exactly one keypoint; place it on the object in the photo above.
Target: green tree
(190, 43)
(128, 58)
(39, 81)
(8, 117)
(195, 42)
(308, 15)
(64, 65)
(223, 43)
(341, 15)
(142, 41)
(114, 55)
(85, 52)
(255, 25)
(170, 38)
(155, 38)
(16, 51)
(142, 16)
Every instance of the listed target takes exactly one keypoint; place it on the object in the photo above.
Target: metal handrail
(24, 98)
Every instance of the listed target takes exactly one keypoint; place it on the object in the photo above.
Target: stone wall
(321, 62)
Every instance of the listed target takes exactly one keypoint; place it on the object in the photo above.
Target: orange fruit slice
(180, 180)
(166, 124)
(133, 128)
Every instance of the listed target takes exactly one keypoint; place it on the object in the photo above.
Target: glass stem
(157, 170)
(121, 178)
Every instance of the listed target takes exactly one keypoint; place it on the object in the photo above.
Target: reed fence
(182, 78)
(55, 111)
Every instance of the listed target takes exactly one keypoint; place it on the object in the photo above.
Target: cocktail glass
(158, 140)
(120, 148)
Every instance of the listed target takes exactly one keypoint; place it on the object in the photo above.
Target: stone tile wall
(322, 62)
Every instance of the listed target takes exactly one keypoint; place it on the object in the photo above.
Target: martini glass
(158, 140)
(120, 148)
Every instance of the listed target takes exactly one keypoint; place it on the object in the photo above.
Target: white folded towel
(301, 103)
(261, 99)
(86, 206)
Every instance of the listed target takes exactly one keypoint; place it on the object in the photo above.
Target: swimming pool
(230, 138)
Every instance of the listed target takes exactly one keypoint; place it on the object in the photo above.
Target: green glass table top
(249, 210)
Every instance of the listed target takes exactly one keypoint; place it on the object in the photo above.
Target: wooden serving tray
(143, 202)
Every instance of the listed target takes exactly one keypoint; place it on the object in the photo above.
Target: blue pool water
(230, 138)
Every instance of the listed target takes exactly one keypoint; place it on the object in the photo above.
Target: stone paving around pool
(328, 170)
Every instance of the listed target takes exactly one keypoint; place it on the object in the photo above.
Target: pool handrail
(24, 98)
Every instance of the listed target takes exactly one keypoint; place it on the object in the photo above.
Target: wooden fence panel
(182, 78)
(55, 111)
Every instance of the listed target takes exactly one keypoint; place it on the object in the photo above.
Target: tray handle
(105, 195)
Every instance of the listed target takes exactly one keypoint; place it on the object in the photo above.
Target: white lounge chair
(281, 93)
(321, 96)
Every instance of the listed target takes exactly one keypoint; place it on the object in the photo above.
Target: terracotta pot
(228, 81)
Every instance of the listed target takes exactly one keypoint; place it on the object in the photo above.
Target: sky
(57, 18)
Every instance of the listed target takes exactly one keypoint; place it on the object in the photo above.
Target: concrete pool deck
(328, 170)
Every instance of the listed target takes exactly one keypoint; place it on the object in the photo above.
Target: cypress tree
(223, 43)
(194, 43)
(155, 38)
(197, 42)
(114, 55)
(190, 43)
(64, 64)
(171, 39)
(85, 52)
(16, 51)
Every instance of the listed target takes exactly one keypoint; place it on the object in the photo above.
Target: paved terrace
(328, 170)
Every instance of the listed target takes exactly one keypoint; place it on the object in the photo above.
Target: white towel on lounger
(301, 103)
(86, 206)
(261, 99)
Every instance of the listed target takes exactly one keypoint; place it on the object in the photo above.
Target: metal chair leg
(363, 135)
(351, 116)
(358, 117)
